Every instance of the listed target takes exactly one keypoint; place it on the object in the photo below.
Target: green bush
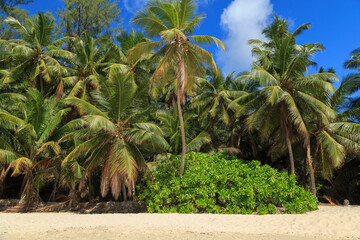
(222, 184)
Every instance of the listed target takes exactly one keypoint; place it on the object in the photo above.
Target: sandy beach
(329, 222)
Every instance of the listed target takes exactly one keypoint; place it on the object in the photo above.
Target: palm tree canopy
(111, 134)
(34, 55)
(173, 23)
(279, 71)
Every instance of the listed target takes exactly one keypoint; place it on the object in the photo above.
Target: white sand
(328, 223)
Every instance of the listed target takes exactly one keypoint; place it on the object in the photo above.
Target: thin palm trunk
(285, 129)
(311, 169)
(304, 173)
(180, 78)
(238, 140)
(2, 179)
(124, 192)
(291, 155)
(182, 165)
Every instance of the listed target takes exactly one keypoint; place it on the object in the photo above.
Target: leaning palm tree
(34, 56)
(173, 22)
(286, 95)
(107, 136)
(27, 142)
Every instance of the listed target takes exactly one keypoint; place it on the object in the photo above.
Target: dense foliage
(84, 113)
(221, 183)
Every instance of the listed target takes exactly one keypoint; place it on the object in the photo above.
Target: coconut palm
(173, 22)
(129, 40)
(27, 143)
(107, 136)
(34, 55)
(353, 85)
(286, 95)
(143, 67)
(92, 57)
(171, 126)
(214, 96)
(340, 137)
(354, 62)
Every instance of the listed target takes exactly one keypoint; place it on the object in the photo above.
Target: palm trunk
(180, 92)
(29, 196)
(304, 174)
(311, 169)
(182, 165)
(2, 179)
(124, 192)
(291, 155)
(286, 135)
(238, 140)
(73, 197)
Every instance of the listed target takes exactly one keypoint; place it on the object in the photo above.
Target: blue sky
(334, 24)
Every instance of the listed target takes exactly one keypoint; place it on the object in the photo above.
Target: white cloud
(242, 20)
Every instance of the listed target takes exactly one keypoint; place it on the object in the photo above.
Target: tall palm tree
(27, 141)
(286, 95)
(108, 136)
(174, 22)
(34, 55)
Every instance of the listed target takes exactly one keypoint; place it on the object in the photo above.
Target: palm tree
(27, 143)
(171, 126)
(213, 97)
(128, 40)
(174, 22)
(286, 95)
(92, 57)
(340, 137)
(35, 56)
(143, 67)
(108, 136)
(354, 62)
(353, 103)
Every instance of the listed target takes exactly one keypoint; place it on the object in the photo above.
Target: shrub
(222, 184)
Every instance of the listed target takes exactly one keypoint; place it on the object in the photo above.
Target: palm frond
(200, 140)
(84, 106)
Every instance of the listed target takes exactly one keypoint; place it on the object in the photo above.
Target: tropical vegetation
(223, 184)
(90, 112)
